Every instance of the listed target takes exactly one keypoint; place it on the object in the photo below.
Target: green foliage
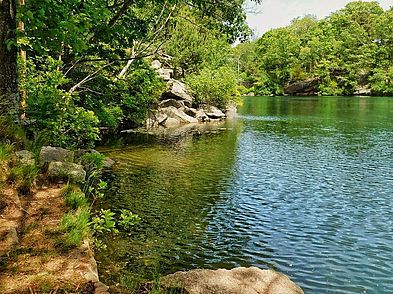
(75, 225)
(11, 133)
(52, 109)
(75, 200)
(104, 222)
(214, 86)
(382, 81)
(23, 177)
(350, 49)
(127, 219)
(93, 161)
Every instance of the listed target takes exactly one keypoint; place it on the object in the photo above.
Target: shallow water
(300, 185)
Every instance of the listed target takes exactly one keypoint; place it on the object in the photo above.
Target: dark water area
(300, 185)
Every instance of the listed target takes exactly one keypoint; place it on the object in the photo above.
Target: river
(300, 185)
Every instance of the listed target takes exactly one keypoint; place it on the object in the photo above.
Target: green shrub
(23, 176)
(75, 226)
(93, 161)
(214, 86)
(75, 200)
(53, 110)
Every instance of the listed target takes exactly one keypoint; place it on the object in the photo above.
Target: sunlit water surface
(300, 185)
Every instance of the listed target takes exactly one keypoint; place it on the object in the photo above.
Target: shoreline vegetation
(74, 71)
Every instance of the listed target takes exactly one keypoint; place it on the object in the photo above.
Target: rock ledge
(239, 280)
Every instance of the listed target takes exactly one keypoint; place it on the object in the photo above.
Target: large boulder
(171, 122)
(214, 113)
(24, 157)
(58, 170)
(302, 88)
(173, 112)
(170, 102)
(236, 281)
(178, 91)
(49, 154)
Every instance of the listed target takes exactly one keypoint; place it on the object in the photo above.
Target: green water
(300, 185)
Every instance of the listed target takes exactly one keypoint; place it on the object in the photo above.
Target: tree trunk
(9, 92)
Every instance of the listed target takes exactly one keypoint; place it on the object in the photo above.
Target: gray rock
(156, 64)
(165, 73)
(239, 280)
(190, 111)
(24, 157)
(172, 122)
(161, 118)
(201, 116)
(214, 113)
(49, 154)
(173, 112)
(58, 170)
(177, 90)
(170, 102)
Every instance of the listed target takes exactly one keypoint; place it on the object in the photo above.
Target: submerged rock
(239, 280)
(49, 154)
(66, 171)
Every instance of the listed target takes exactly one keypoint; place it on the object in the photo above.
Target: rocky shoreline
(177, 105)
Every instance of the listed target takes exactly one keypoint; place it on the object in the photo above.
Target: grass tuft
(75, 226)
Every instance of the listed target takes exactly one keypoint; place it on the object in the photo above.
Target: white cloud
(279, 13)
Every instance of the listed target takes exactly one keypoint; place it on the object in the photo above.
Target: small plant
(104, 222)
(128, 219)
(23, 176)
(75, 200)
(75, 226)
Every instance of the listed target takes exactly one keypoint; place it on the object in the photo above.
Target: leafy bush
(75, 226)
(53, 109)
(382, 81)
(214, 86)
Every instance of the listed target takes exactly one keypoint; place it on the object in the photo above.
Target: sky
(279, 13)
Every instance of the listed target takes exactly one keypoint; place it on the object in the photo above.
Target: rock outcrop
(176, 105)
(302, 88)
(236, 281)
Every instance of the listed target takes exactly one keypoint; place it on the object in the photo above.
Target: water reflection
(301, 185)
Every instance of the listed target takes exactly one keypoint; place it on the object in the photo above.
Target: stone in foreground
(66, 171)
(236, 281)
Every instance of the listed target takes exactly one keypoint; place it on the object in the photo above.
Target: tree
(9, 91)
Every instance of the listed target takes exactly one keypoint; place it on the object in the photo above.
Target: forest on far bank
(350, 52)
